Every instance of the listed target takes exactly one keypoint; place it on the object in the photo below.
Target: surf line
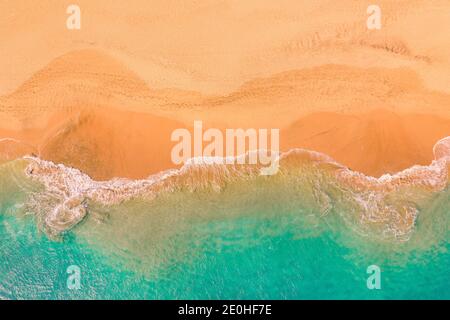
(190, 148)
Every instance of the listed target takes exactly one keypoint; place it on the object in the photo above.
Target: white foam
(71, 189)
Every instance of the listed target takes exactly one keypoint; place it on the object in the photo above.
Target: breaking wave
(386, 207)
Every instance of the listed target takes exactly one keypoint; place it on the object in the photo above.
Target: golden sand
(106, 98)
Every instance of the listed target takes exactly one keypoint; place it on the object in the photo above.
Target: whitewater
(390, 202)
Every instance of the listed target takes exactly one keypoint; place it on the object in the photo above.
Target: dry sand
(105, 99)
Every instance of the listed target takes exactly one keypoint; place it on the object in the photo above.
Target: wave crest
(387, 206)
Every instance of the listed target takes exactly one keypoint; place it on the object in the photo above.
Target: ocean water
(275, 267)
(298, 235)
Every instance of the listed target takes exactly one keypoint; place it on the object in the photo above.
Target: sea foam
(390, 201)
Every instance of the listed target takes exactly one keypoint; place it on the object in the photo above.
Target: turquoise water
(255, 239)
(235, 259)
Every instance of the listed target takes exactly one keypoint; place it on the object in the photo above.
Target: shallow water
(214, 234)
(235, 258)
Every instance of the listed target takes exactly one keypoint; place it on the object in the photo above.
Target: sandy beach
(105, 99)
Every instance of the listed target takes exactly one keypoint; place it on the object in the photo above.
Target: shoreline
(73, 192)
